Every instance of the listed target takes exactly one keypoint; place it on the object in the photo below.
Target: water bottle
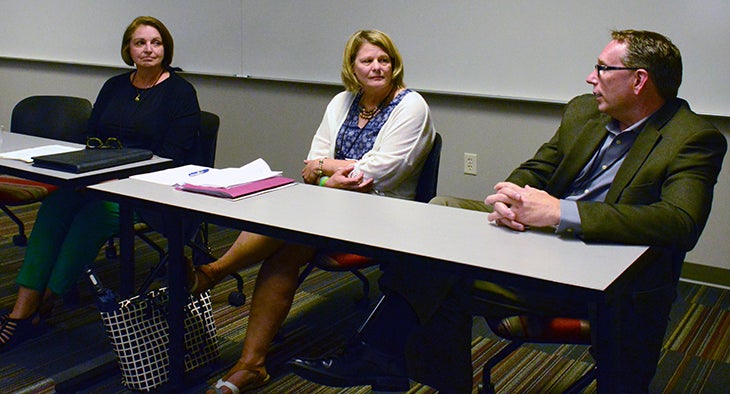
(106, 299)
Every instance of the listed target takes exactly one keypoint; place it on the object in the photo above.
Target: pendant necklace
(140, 91)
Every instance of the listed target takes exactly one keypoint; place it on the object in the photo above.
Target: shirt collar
(614, 129)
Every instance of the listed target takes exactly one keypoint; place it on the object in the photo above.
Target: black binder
(91, 159)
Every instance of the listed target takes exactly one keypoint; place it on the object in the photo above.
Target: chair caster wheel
(20, 240)
(236, 299)
(485, 388)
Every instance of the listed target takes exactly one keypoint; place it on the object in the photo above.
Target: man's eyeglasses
(97, 143)
(603, 67)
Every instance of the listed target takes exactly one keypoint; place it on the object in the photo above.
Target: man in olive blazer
(661, 196)
(629, 164)
(662, 193)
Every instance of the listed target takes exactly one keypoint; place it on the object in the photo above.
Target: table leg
(126, 251)
(177, 292)
(605, 331)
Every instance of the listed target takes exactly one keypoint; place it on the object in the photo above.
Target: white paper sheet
(213, 177)
(172, 176)
(227, 177)
(27, 155)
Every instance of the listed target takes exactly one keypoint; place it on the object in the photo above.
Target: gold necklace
(369, 114)
(365, 114)
(139, 92)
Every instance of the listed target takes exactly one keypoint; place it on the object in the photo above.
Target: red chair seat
(340, 262)
(519, 329)
(527, 328)
(17, 191)
(343, 261)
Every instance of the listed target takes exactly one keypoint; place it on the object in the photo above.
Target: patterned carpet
(696, 358)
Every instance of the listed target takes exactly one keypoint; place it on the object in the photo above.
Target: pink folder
(239, 190)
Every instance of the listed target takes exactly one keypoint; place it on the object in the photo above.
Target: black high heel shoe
(15, 331)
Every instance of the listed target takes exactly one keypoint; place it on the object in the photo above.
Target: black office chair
(519, 327)
(425, 191)
(429, 179)
(207, 140)
(62, 118)
(203, 155)
(526, 326)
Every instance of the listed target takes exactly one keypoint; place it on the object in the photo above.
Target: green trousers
(68, 233)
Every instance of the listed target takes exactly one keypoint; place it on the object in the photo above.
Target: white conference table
(397, 230)
(16, 141)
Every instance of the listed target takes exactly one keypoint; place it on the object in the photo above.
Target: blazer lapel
(585, 147)
(644, 144)
(636, 156)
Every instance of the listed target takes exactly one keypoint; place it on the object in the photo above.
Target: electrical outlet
(470, 163)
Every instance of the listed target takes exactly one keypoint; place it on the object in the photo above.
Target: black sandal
(15, 331)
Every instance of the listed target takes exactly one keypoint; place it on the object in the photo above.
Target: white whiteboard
(207, 34)
(518, 49)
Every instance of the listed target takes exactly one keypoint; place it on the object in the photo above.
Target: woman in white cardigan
(374, 138)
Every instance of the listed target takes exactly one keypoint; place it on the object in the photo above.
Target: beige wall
(276, 120)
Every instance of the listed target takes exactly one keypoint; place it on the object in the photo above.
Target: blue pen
(199, 172)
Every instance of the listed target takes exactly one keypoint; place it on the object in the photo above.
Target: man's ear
(641, 80)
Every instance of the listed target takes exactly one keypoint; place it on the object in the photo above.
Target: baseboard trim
(706, 274)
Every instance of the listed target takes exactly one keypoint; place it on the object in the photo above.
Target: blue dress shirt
(595, 179)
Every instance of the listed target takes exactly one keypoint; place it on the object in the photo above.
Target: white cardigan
(399, 151)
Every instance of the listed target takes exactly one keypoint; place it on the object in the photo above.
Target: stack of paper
(227, 182)
(228, 177)
(241, 190)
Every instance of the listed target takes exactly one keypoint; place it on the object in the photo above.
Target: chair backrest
(428, 181)
(203, 153)
(59, 117)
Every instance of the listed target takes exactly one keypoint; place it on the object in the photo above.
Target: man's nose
(592, 78)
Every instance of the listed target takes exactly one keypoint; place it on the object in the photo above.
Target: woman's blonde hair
(167, 42)
(379, 39)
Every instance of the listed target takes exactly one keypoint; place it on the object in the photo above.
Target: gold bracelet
(321, 164)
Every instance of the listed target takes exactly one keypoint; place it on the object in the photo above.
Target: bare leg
(28, 302)
(272, 299)
(247, 250)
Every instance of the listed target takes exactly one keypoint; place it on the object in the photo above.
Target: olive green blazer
(661, 195)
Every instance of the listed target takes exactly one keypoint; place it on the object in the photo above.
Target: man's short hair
(655, 53)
